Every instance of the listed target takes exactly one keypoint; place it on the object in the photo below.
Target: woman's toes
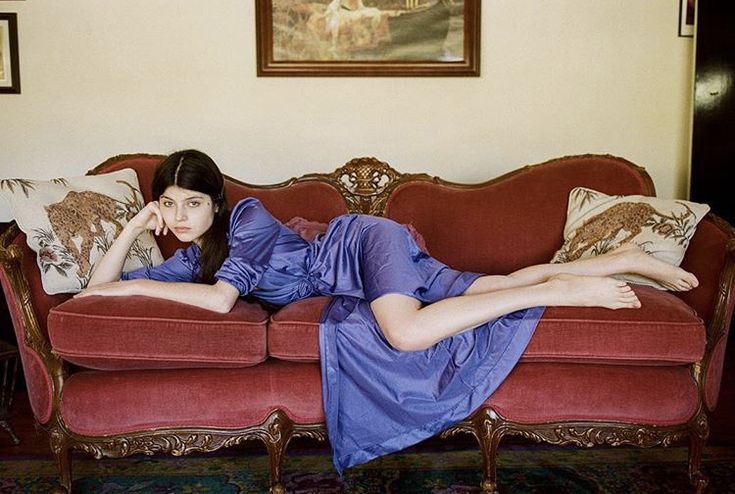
(692, 280)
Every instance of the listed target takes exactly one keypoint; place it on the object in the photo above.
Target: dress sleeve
(182, 266)
(253, 236)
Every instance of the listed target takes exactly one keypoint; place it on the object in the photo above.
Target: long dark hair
(193, 170)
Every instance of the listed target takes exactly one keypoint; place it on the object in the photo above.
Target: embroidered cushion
(597, 223)
(71, 222)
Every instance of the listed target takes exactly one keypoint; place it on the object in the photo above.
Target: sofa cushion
(663, 331)
(554, 392)
(114, 333)
(293, 331)
(102, 403)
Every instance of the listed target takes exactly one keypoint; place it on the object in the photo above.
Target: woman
(408, 345)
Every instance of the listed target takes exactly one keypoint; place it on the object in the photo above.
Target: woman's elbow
(225, 298)
(221, 307)
(405, 341)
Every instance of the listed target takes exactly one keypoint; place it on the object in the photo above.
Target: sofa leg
(275, 453)
(488, 435)
(696, 446)
(61, 450)
(280, 431)
(63, 461)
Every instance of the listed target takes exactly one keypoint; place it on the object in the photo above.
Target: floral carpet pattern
(521, 469)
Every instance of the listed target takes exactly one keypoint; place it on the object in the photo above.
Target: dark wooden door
(713, 150)
(713, 131)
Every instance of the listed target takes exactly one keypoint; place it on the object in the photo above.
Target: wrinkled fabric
(376, 399)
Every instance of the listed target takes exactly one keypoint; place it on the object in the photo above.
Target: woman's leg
(628, 258)
(410, 327)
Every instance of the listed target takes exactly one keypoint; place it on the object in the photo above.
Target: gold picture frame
(368, 37)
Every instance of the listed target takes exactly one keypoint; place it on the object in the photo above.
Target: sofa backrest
(512, 221)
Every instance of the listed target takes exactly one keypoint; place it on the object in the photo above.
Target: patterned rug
(522, 469)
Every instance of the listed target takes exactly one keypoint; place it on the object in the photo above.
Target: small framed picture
(368, 37)
(9, 66)
(686, 18)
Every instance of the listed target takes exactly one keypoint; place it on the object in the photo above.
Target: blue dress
(377, 400)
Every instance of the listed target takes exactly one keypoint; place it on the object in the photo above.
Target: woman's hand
(149, 218)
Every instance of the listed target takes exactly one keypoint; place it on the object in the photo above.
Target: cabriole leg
(63, 460)
(698, 479)
(488, 435)
(280, 431)
(276, 453)
(697, 438)
(61, 450)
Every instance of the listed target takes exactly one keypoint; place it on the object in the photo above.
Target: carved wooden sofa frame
(365, 184)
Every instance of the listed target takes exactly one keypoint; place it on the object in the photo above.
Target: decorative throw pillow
(308, 230)
(71, 222)
(597, 223)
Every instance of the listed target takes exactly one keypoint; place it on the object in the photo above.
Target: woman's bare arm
(220, 297)
(110, 267)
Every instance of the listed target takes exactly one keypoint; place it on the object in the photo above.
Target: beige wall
(558, 77)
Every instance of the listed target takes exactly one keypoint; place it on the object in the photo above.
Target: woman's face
(187, 213)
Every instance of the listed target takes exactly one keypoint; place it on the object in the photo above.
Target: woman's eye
(194, 204)
(167, 204)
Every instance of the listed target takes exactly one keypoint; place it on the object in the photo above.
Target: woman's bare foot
(592, 291)
(635, 261)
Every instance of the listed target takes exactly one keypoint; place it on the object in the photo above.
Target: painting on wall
(686, 17)
(368, 37)
(9, 67)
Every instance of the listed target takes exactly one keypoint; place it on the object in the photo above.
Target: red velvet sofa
(116, 377)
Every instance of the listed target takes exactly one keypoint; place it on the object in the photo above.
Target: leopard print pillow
(597, 223)
(71, 222)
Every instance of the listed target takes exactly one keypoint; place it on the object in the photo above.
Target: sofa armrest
(44, 372)
(711, 257)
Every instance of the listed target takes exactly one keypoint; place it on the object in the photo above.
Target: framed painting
(368, 37)
(686, 18)
(9, 66)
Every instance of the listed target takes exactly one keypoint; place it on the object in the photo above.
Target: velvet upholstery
(36, 375)
(713, 375)
(42, 302)
(519, 218)
(705, 258)
(113, 333)
(663, 331)
(101, 403)
(293, 331)
(554, 392)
